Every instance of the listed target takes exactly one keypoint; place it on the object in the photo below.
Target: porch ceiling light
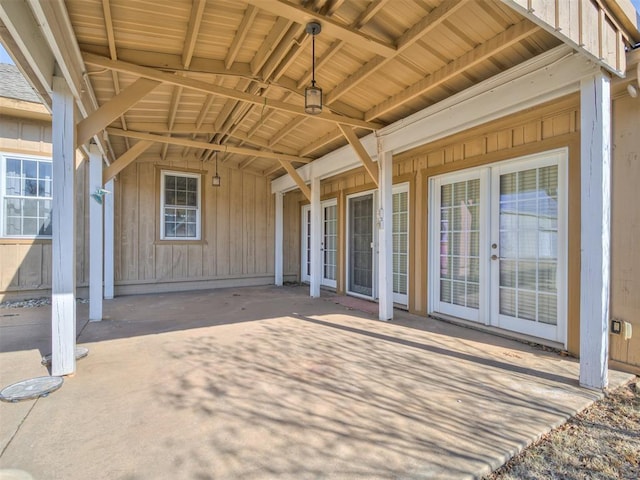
(313, 93)
(215, 180)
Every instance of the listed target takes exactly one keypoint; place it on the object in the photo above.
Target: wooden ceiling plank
(284, 131)
(111, 110)
(491, 47)
(125, 159)
(272, 170)
(289, 47)
(370, 166)
(304, 188)
(321, 142)
(301, 15)
(191, 83)
(241, 34)
(207, 146)
(411, 36)
(246, 162)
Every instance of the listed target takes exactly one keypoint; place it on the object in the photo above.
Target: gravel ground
(34, 302)
(600, 443)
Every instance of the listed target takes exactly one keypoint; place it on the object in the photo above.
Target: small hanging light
(215, 180)
(313, 93)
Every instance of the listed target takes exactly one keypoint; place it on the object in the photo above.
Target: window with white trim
(25, 196)
(180, 206)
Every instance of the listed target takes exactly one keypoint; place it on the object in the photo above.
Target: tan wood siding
(291, 221)
(236, 231)
(25, 264)
(625, 229)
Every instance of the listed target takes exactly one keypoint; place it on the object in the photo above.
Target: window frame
(4, 156)
(198, 209)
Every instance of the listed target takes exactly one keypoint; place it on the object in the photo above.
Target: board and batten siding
(25, 264)
(237, 232)
(625, 231)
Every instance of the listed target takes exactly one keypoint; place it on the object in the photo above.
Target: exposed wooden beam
(491, 47)
(192, 31)
(171, 118)
(124, 160)
(246, 162)
(115, 107)
(206, 146)
(190, 83)
(411, 36)
(270, 43)
(241, 34)
(354, 141)
(330, 27)
(272, 170)
(304, 188)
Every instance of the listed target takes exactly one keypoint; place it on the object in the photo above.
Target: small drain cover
(81, 352)
(32, 388)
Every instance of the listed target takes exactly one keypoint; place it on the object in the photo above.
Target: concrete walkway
(267, 383)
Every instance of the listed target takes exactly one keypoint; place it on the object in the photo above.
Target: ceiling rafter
(301, 15)
(483, 51)
(204, 110)
(432, 20)
(271, 44)
(171, 118)
(207, 146)
(108, 21)
(241, 34)
(193, 28)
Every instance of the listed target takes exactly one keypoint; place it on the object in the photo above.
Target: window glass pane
(30, 168)
(181, 183)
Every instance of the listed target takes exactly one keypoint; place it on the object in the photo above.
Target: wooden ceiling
(232, 72)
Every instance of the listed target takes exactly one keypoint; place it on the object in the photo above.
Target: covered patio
(266, 382)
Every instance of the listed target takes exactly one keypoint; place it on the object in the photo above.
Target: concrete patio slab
(261, 383)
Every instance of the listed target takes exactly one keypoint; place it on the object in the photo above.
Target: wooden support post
(63, 283)
(278, 266)
(95, 234)
(109, 238)
(316, 232)
(385, 236)
(595, 232)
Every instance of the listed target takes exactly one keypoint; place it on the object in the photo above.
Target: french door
(329, 243)
(361, 245)
(498, 245)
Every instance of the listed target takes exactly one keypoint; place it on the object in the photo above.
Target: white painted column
(316, 234)
(385, 235)
(63, 283)
(278, 245)
(109, 238)
(95, 235)
(595, 207)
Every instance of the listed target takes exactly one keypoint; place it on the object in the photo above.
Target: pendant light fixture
(215, 180)
(313, 93)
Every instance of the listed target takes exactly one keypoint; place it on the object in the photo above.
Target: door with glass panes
(498, 245)
(329, 243)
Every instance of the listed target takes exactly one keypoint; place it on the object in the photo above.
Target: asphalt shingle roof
(14, 85)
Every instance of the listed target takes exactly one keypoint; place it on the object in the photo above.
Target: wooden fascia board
(125, 160)
(206, 146)
(19, 108)
(205, 87)
(304, 188)
(354, 141)
(595, 54)
(192, 31)
(491, 47)
(111, 110)
(301, 15)
(432, 20)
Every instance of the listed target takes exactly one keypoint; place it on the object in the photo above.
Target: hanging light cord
(313, 59)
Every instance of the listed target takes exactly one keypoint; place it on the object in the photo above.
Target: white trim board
(548, 76)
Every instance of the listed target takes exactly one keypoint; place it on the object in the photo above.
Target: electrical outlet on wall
(616, 327)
